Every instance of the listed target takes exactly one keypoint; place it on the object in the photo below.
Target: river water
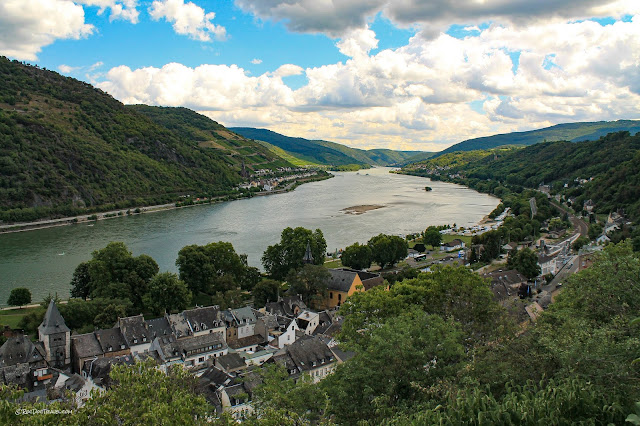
(44, 260)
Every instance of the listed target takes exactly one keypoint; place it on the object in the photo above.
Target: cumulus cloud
(118, 9)
(188, 19)
(66, 69)
(427, 94)
(26, 26)
(335, 18)
(256, 61)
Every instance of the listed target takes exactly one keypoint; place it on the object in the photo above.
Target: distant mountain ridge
(572, 132)
(325, 152)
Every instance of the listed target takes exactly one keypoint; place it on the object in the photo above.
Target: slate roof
(204, 318)
(134, 331)
(159, 327)
(111, 340)
(310, 352)
(100, 368)
(503, 283)
(179, 325)
(256, 339)
(86, 345)
(270, 321)
(341, 279)
(18, 375)
(453, 243)
(542, 259)
(53, 321)
(286, 306)
(20, 350)
(285, 360)
(244, 315)
(230, 362)
(199, 342)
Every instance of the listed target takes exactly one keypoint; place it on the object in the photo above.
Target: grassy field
(12, 317)
(333, 264)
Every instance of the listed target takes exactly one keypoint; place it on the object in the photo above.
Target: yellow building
(344, 282)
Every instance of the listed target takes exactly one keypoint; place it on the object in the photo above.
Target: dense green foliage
(524, 261)
(432, 237)
(167, 293)
(19, 296)
(310, 282)
(387, 250)
(68, 148)
(324, 152)
(357, 256)
(279, 259)
(562, 132)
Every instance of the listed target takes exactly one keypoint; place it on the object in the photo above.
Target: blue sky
(405, 74)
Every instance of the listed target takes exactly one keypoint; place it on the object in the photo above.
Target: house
(56, 337)
(246, 321)
(230, 363)
(603, 239)
(205, 320)
(287, 307)
(312, 356)
(343, 282)
(227, 392)
(23, 363)
(548, 264)
(247, 344)
(80, 387)
(455, 244)
(197, 350)
(286, 332)
(179, 325)
(98, 370)
(505, 284)
(589, 205)
(159, 327)
(112, 342)
(135, 333)
(84, 347)
(308, 321)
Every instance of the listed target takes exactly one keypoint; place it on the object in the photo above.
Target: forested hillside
(605, 170)
(572, 132)
(66, 147)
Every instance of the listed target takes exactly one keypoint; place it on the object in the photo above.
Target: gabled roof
(310, 352)
(100, 368)
(111, 340)
(204, 318)
(341, 279)
(20, 350)
(86, 345)
(179, 325)
(286, 306)
(201, 342)
(256, 339)
(53, 321)
(230, 362)
(159, 327)
(134, 331)
(244, 315)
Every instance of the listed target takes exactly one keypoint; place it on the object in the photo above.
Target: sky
(400, 74)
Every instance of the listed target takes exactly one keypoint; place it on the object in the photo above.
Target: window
(330, 295)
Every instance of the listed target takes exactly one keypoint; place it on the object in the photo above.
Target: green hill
(67, 147)
(573, 132)
(605, 170)
(325, 152)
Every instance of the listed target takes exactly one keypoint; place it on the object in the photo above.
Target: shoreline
(134, 211)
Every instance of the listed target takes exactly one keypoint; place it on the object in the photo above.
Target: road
(568, 269)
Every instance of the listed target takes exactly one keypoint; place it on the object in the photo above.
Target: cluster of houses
(270, 184)
(222, 347)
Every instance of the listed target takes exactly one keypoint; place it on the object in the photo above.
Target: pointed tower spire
(308, 257)
(53, 321)
(56, 336)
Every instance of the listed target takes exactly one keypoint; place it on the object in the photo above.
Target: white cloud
(335, 18)
(427, 94)
(95, 66)
(66, 69)
(119, 9)
(26, 26)
(256, 61)
(188, 19)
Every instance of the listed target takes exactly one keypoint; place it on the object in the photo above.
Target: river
(44, 260)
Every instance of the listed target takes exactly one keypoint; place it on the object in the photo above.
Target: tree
(113, 272)
(19, 296)
(382, 377)
(524, 261)
(357, 256)
(595, 229)
(580, 242)
(167, 293)
(432, 237)
(310, 282)
(387, 250)
(265, 291)
(211, 268)
(288, 254)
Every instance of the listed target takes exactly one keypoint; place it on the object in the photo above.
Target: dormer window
(144, 339)
(121, 346)
(135, 341)
(109, 348)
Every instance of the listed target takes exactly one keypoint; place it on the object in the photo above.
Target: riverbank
(89, 218)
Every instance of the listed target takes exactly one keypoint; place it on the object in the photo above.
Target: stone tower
(56, 336)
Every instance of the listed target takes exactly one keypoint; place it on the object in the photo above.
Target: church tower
(308, 257)
(56, 336)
